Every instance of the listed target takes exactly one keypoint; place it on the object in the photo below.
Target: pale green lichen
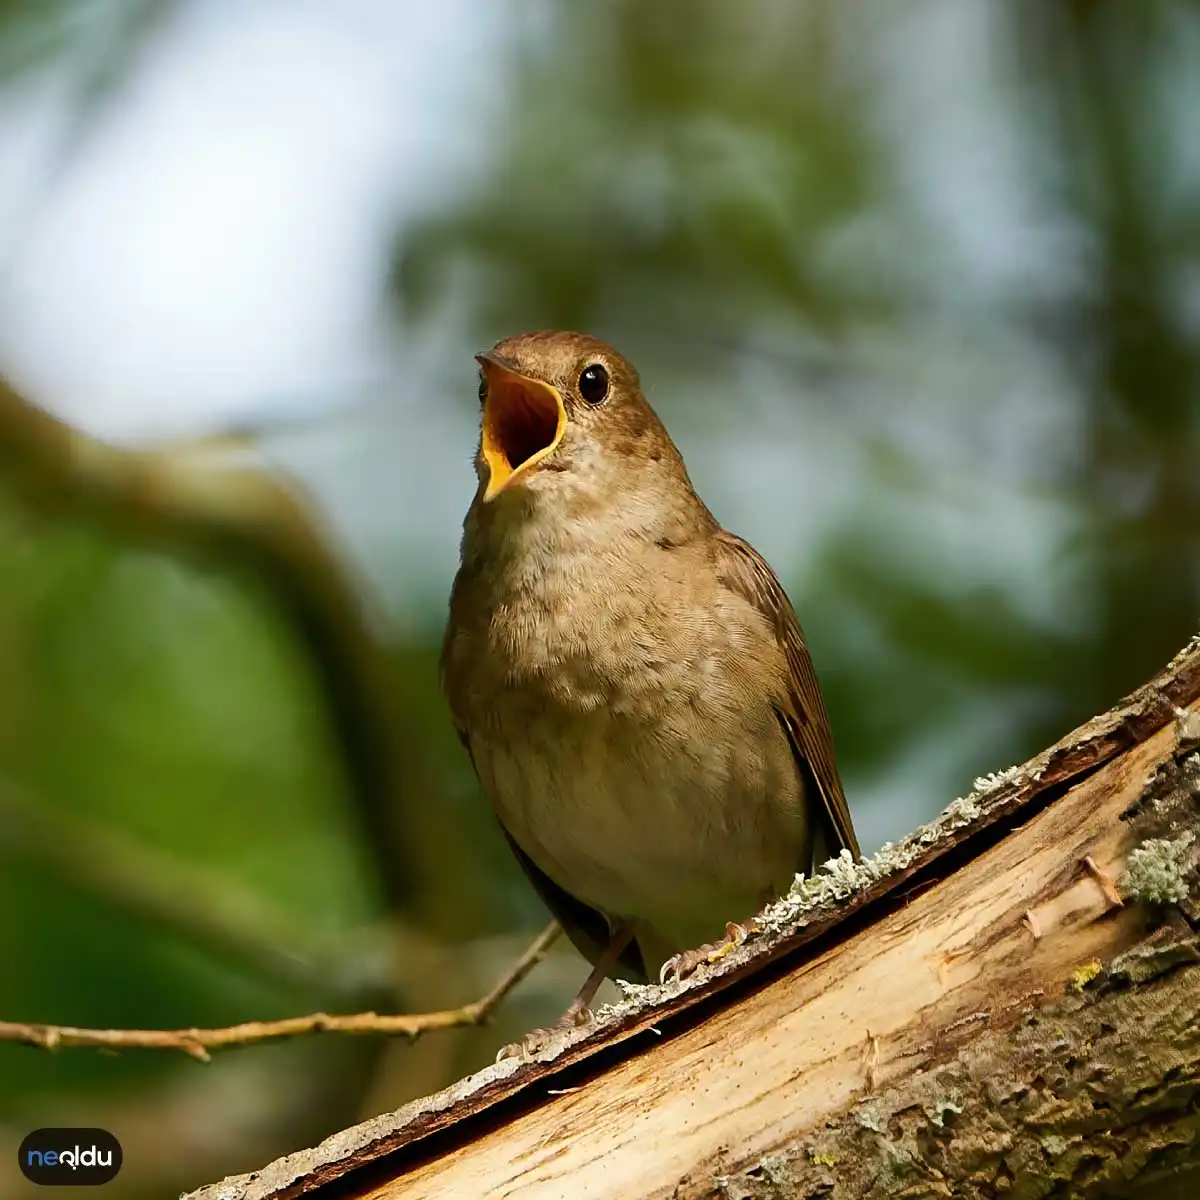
(986, 784)
(1157, 871)
(869, 1118)
(1054, 1145)
(773, 1168)
(960, 812)
(900, 1158)
(943, 1108)
(1191, 648)
(842, 877)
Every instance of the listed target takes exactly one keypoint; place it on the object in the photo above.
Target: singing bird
(629, 679)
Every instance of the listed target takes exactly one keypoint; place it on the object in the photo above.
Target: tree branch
(1005, 1003)
(199, 1042)
(197, 497)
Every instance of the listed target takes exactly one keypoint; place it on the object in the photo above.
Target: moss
(1157, 871)
(1083, 975)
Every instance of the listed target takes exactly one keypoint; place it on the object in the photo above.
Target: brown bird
(629, 679)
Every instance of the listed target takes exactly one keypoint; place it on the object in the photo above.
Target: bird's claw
(680, 966)
(536, 1040)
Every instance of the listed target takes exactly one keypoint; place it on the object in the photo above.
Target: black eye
(482, 387)
(593, 383)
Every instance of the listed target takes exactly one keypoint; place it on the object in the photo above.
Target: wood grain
(989, 916)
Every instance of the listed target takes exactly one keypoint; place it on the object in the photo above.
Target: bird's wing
(802, 711)
(587, 927)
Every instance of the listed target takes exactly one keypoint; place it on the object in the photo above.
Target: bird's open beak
(523, 420)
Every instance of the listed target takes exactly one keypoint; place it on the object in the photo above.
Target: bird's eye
(482, 387)
(593, 384)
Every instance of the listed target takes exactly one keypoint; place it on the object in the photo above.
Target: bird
(629, 679)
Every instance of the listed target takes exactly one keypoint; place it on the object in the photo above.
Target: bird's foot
(680, 966)
(537, 1040)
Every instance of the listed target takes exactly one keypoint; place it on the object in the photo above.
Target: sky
(213, 251)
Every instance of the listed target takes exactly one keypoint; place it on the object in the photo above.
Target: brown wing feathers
(802, 711)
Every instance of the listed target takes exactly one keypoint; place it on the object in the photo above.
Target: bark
(1006, 1004)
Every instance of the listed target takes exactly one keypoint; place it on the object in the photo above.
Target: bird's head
(563, 415)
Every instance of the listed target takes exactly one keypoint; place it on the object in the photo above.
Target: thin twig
(198, 1042)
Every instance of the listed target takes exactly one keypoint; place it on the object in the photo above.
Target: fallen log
(1006, 1003)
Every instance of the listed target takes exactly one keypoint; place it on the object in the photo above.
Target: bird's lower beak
(523, 420)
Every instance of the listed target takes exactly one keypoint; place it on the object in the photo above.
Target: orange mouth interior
(523, 421)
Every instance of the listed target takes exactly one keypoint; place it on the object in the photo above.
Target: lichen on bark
(1098, 1095)
(1095, 1095)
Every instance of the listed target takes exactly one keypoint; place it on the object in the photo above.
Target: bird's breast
(622, 744)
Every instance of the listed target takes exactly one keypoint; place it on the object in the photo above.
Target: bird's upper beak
(523, 420)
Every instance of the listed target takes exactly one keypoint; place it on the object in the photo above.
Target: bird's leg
(578, 1011)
